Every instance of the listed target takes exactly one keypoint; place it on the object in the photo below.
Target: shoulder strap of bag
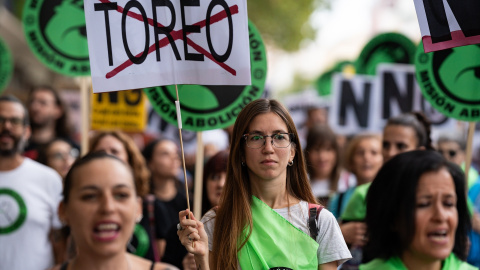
(313, 212)
(151, 218)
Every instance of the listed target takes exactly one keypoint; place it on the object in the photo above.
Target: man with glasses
(29, 196)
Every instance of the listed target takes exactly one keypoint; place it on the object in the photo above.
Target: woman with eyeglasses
(264, 219)
(58, 154)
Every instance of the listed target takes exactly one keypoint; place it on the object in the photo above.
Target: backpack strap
(313, 212)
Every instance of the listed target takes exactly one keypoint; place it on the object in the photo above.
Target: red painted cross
(175, 35)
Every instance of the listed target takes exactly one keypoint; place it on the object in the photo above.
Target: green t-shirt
(395, 263)
(356, 208)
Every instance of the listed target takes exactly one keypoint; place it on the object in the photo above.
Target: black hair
(391, 202)
(12, 98)
(420, 124)
(85, 160)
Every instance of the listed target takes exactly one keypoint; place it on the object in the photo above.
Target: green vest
(275, 243)
(452, 262)
(356, 208)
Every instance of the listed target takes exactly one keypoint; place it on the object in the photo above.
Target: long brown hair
(234, 214)
(135, 158)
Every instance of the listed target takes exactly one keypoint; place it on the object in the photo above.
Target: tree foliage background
(283, 23)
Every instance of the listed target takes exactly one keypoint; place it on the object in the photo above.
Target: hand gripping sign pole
(179, 121)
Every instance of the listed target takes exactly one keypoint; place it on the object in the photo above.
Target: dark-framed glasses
(279, 140)
(14, 121)
(449, 153)
(73, 153)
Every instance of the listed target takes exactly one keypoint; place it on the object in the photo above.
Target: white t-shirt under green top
(29, 198)
(332, 246)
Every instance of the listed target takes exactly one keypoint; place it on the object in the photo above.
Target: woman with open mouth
(417, 215)
(101, 206)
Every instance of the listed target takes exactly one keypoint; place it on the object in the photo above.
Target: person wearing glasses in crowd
(263, 221)
(58, 154)
(417, 216)
(29, 196)
(452, 146)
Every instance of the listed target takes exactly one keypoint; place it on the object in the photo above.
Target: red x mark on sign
(178, 34)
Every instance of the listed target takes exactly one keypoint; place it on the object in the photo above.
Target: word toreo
(167, 31)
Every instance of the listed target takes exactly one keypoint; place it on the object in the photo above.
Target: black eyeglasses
(279, 140)
(450, 153)
(14, 121)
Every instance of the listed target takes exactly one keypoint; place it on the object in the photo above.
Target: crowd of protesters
(274, 199)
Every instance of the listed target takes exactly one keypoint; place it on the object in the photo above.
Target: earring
(290, 163)
(243, 164)
(139, 219)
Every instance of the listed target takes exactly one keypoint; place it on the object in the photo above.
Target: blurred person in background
(149, 236)
(101, 206)
(48, 119)
(417, 216)
(59, 155)
(163, 160)
(323, 162)
(30, 236)
(453, 146)
(402, 133)
(214, 177)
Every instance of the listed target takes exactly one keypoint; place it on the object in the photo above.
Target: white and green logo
(6, 65)
(13, 211)
(213, 107)
(56, 32)
(450, 80)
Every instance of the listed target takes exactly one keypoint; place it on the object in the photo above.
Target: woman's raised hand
(193, 236)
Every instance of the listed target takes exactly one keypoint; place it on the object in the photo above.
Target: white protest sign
(365, 103)
(353, 107)
(137, 44)
(448, 23)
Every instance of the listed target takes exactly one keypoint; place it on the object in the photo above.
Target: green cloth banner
(275, 243)
(395, 263)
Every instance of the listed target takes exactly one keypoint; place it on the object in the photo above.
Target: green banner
(385, 48)
(213, 107)
(56, 32)
(324, 82)
(6, 65)
(449, 80)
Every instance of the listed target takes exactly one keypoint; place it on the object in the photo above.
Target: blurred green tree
(284, 24)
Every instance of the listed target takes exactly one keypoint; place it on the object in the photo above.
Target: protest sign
(6, 65)
(446, 23)
(55, 31)
(324, 82)
(139, 44)
(449, 80)
(213, 107)
(123, 110)
(385, 48)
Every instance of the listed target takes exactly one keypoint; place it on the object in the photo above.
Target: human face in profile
(436, 220)
(102, 207)
(398, 139)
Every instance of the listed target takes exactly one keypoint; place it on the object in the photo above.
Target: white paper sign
(448, 23)
(137, 44)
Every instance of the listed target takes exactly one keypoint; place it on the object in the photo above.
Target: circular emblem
(449, 79)
(212, 107)
(385, 48)
(143, 242)
(6, 65)
(56, 32)
(324, 82)
(13, 211)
